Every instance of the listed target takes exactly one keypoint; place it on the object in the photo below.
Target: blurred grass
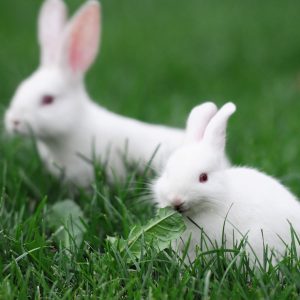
(158, 59)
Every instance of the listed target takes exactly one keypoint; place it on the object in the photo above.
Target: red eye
(46, 100)
(203, 178)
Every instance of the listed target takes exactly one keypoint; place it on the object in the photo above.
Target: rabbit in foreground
(247, 202)
(53, 105)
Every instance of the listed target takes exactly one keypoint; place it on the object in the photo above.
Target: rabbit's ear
(215, 133)
(81, 40)
(198, 120)
(51, 22)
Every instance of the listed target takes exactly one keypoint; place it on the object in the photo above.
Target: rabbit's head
(193, 177)
(50, 102)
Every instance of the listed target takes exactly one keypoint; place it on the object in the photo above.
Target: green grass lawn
(158, 59)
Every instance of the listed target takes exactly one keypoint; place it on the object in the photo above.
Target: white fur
(247, 201)
(73, 125)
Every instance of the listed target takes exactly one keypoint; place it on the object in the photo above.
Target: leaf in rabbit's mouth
(159, 232)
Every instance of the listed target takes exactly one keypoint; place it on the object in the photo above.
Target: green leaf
(167, 225)
(66, 220)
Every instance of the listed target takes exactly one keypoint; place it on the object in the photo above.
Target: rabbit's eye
(203, 177)
(47, 99)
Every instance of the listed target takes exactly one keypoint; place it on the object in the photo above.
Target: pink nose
(177, 203)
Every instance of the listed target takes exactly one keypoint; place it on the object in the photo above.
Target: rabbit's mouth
(193, 208)
(181, 208)
(16, 131)
(20, 132)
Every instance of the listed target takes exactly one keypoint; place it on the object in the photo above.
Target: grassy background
(158, 59)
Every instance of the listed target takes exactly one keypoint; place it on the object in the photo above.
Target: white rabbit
(247, 202)
(53, 105)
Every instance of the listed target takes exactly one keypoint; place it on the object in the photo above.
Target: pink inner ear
(84, 40)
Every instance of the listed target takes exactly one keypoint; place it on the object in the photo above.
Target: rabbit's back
(262, 208)
(260, 198)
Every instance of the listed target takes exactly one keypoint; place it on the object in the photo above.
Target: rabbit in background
(53, 105)
(226, 202)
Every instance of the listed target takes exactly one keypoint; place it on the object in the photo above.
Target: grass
(158, 59)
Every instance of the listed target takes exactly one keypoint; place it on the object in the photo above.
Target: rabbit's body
(230, 204)
(123, 139)
(70, 129)
(262, 214)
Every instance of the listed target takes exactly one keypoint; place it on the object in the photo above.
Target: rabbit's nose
(16, 123)
(177, 203)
